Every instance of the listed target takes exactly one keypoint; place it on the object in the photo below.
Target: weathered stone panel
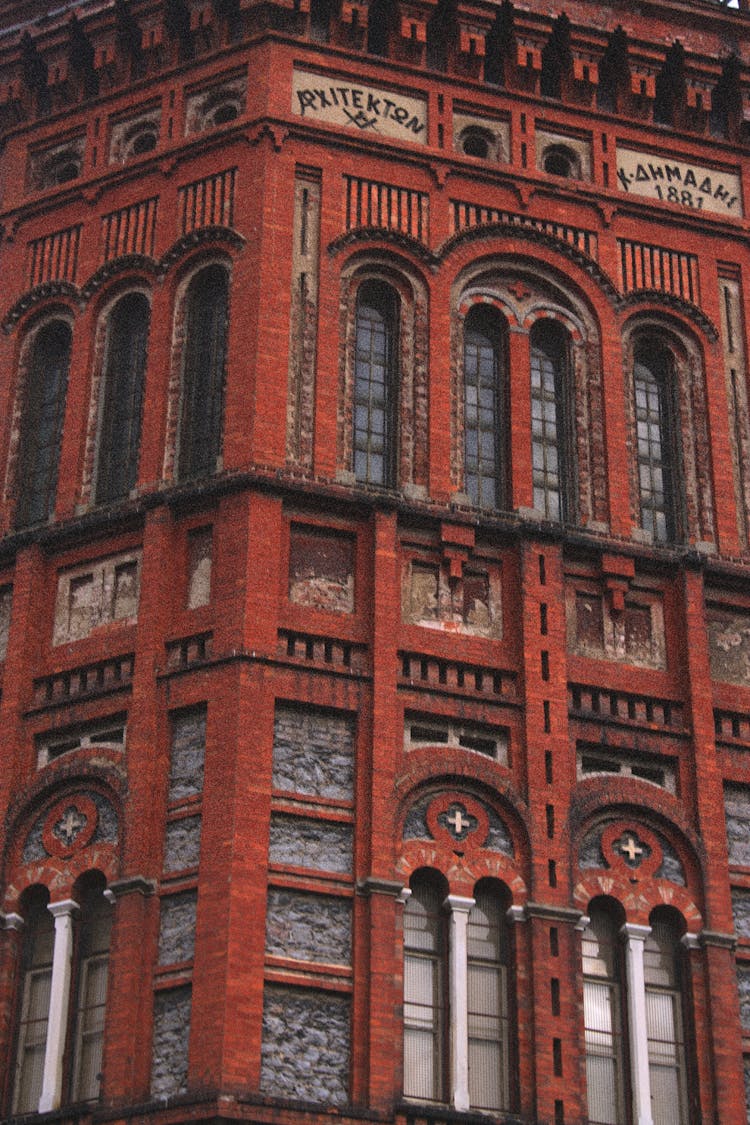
(315, 844)
(177, 928)
(321, 569)
(187, 754)
(313, 753)
(741, 911)
(306, 1045)
(308, 927)
(169, 1065)
(743, 987)
(182, 844)
(729, 646)
(737, 809)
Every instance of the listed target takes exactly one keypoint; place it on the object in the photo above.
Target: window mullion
(634, 938)
(459, 908)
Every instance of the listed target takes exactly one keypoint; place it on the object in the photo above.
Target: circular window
(143, 142)
(560, 161)
(226, 112)
(64, 171)
(476, 144)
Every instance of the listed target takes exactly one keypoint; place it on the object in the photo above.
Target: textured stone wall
(743, 987)
(313, 753)
(171, 1038)
(729, 646)
(321, 569)
(182, 844)
(187, 754)
(314, 844)
(305, 1051)
(200, 556)
(741, 911)
(177, 928)
(96, 594)
(737, 809)
(308, 927)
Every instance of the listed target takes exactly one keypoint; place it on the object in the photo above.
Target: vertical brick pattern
(54, 257)
(369, 203)
(643, 266)
(208, 202)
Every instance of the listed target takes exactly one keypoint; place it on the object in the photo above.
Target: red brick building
(375, 561)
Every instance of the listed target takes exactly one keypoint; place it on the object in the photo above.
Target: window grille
(34, 1012)
(603, 1020)
(551, 440)
(666, 1046)
(488, 1004)
(41, 430)
(656, 454)
(424, 955)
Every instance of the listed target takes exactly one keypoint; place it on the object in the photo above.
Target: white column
(459, 1001)
(59, 1001)
(640, 1081)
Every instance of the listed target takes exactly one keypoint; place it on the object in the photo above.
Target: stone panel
(177, 928)
(95, 595)
(182, 844)
(6, 603)
(169, 1064)
(315, 844)
(741, 911)
(729, 646)
(200, 552)
(306, 1045)
(313, 753)
(187, 754)
(308, 927)
(737, 809)
(743, 987)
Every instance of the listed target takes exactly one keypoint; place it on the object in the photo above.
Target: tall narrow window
(375, 383)
(551, 425)
(487, 1002)
(203, 373)
(424, 957)
(93, 962)
(120, 423)
(41, 429)
(603, 1023)
(666, 1040)
(656, 441)
(38, 946)
(484, 436)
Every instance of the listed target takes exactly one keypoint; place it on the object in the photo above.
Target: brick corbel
(617, 573)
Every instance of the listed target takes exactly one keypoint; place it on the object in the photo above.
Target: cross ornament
(458, 821)
(630, 849)
(70, 824)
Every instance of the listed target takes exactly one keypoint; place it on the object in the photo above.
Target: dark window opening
(484, 409)
(552, 443)
(143, 142)
(41, 429)
(223, 114)
(476, 144)
(656, 441)
(561, 161)
(122, 405)
(207, 306)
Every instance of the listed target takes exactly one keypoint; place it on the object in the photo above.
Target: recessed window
(375, 383)
(108, 732)
(206, 312)
(561, 161)
(142, 143)
(595, 761)
(433, 730)
(552, 442)
(657, 455)
(484, 407)
(63, 173)
(226, 112)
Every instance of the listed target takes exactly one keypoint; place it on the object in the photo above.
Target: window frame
(666, 416)
(489, 326)
(556, 435)
(383, 303)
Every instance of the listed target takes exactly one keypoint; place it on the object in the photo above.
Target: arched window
(656, 440)
(484, 403)
(424, 986)
(36, 969)
(603, 1022)
(456, 1052)
(664, 1021)
(204, 358)
(61, 1062)
(631, 982)
(375, 384)
(42, 424)
(551, 422)
(488, 1023)
(122, 398)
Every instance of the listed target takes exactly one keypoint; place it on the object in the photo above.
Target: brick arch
(42, 301)
(130, 268)
(61, 828)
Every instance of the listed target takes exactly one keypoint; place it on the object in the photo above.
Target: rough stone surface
(747, 1085)
(741, 911)
(743, 987)
(177, 928)
(729, 647)
(200, 553)
(313, 753)
(321, 570)
(315, 844)
(306, 1044)
(92, 596)
(188, 753)
(182, 844)
(309, 927)
(6, 604)
(737, 808)
(171, 1037)
(498, 837)
(415, 822)
(670, 868)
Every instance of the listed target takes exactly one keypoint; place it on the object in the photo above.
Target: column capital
(631, 931)
(553, 913)
(516, 914)
(12, 921)
(718, 939)
(131, 884)
(376, 885)
(65, 906)
(459, 904)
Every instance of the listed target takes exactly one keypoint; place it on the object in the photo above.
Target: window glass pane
(483, 437)
(603, 1028)
(41, 429)
(374, 383)
(487, 1003)
(655, 451)
(423, 992)
(666, 1048)
(94, 937)
(551, 446)
(34, 1010)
